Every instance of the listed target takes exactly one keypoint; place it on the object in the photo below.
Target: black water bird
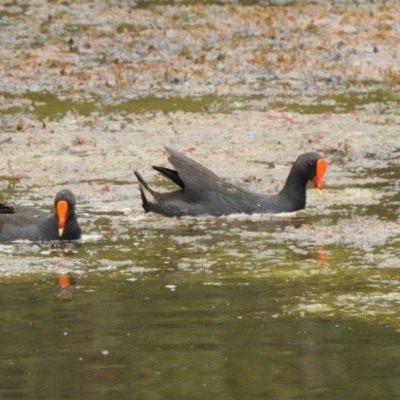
(27, 223)
(204, 193)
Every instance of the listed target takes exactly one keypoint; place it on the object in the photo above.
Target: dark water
(121, 339)
(191, 309)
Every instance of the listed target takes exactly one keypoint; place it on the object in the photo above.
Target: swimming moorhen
(204, 193)
(26, 223)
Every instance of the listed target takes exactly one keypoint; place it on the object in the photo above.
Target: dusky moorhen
(204, 193)
(27, 223)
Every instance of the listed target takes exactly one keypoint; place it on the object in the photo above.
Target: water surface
(303, 306)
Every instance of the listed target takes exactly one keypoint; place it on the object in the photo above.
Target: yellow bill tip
(60, 232)
(320, 192)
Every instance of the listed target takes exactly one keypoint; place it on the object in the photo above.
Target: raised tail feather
(171, 174)
(146, 193)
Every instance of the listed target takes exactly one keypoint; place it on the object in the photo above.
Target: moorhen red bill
(27, 223)
(204, 193)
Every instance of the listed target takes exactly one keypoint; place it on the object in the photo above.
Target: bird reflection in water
(321, 257)
(66, 283)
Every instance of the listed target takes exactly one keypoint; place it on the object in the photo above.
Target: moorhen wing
(204, 193)
(27, 223)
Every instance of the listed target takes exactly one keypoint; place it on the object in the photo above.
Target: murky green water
(178, 334)
(46, 106)
(118, 339)
(193, 308)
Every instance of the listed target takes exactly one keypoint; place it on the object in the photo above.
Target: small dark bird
(204, 193)
(27, 223)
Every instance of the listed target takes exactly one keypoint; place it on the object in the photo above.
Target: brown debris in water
(191, 50)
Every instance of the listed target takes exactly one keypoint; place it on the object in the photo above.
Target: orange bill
(319, 176)
(62, 212)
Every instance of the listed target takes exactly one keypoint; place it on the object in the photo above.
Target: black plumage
(27, 223)
(202, 192)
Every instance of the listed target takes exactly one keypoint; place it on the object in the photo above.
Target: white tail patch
(149, 196)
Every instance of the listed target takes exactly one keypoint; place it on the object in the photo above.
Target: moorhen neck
(26, 223)
(204, 193)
